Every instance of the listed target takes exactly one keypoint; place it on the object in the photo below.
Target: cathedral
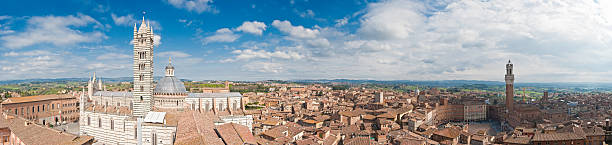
(147, 114)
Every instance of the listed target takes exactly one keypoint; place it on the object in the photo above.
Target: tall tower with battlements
(509, 86)
(143, 69)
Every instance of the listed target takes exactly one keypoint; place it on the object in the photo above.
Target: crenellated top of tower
(509, 68)
(509, 65)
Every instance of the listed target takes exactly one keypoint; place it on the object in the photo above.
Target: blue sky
(548, 41)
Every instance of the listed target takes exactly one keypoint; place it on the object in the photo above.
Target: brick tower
(509, 86)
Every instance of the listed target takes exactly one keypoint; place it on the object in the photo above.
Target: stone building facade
(44, 109)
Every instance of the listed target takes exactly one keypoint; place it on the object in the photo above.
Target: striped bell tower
(143, 69)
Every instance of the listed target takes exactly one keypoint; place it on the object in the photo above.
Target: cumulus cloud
(4, 25)
(110, 56)
(253, 27)
(197, 6)
(455, 40)
(47, 29)
(174, 54)
(264, 67)
(295, 31)
(248, 54)
(28, 53)
(222, 35)
(156, 40)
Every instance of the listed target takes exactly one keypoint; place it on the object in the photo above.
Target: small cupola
(170, 68)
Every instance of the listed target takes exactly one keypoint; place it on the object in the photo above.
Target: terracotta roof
(349, 113)
(30, 133)
(14, 100)
(448, 132)
(556, 136)
(235, 134)
(271, 122)
(196, 128)
(288, 130)
(594, 131)
(359, 141)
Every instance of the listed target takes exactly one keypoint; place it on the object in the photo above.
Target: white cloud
(248, 54)
(264, 67)
(295, 31)
(175, 54)
(111, 56)
(28, 53)
(341, 22)
(253, 27)
(198, 6)
(126, 20)
(4, 17)
(156, 40)
(404, 39)
(129, 20)
(307, 13)
(101, 8)
(47, 29)
(4, 27)
(222, 35)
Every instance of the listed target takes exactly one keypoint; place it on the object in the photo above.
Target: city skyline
(262, 40)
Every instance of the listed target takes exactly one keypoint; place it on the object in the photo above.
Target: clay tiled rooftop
(15, 100)
(33, 134)
(448, 132)
(196, 128)
(359, 141)
(556, 136)
(235, 134)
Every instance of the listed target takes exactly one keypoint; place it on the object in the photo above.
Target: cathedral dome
(170, 85)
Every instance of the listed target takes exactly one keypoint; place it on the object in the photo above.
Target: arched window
(112, 124)
(43, 108)
(52, 106)
(88, 121)
(141, 89)
(99, 122)
(135, 132)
